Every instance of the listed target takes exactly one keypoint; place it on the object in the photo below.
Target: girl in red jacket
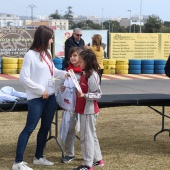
(87, 108)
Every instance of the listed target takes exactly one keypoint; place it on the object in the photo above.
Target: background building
(12, 20)
(7, 20)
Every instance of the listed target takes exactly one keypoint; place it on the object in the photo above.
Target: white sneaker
(42, 161)
(20, 166)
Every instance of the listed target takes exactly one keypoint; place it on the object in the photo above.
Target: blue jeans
(37, 108)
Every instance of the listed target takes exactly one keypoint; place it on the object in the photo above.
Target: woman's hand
(67, 75)
(80, 94)
(45, 95)
(62, 88)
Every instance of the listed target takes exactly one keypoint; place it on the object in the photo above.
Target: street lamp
(32, 6)
(112, 27)
(109, 26)
(50, 21)
(140, 15)
(129, 20)
(25, 18)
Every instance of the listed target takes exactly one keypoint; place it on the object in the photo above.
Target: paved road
(116, 86)
(136, 86)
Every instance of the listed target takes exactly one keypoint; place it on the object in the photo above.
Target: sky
(99, 8)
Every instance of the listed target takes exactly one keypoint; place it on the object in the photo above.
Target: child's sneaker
(42, 161)
(67, 159)
(98, 163)
(83, 167)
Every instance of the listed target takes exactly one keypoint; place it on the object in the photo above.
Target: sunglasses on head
(78, 35)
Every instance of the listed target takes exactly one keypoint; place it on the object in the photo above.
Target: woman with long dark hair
(37, 76)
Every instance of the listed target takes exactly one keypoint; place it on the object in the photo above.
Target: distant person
(37, 76)
(74, 41)
(104, 47)
(97, 48)
(88, 110)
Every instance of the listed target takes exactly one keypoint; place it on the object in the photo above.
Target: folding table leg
(56, 134)
(163, 121)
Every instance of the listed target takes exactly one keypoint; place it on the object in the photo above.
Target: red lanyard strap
(50, 67)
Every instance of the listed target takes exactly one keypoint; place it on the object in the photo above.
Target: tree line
(152, 25)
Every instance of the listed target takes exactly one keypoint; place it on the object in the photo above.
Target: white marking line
(2, 78)
(139, 76)
(157, 76)
(119, 77)
(14, 75)
(103, 78)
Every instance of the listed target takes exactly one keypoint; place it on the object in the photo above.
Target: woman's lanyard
(50, 67)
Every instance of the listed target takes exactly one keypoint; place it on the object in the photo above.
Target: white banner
(74, 78)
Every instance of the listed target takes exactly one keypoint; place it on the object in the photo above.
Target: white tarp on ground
(9, 94)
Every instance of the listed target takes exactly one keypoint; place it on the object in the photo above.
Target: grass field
(125, 135)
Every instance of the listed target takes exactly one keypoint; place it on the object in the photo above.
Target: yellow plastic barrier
(10, 71)
(109, 71)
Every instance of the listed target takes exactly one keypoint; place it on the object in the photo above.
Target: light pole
(25, 18)
(129, 20)
(112, 27)
(140, 15)
(50, 21)
(102, 18)
(32, 6)
(109, 26)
